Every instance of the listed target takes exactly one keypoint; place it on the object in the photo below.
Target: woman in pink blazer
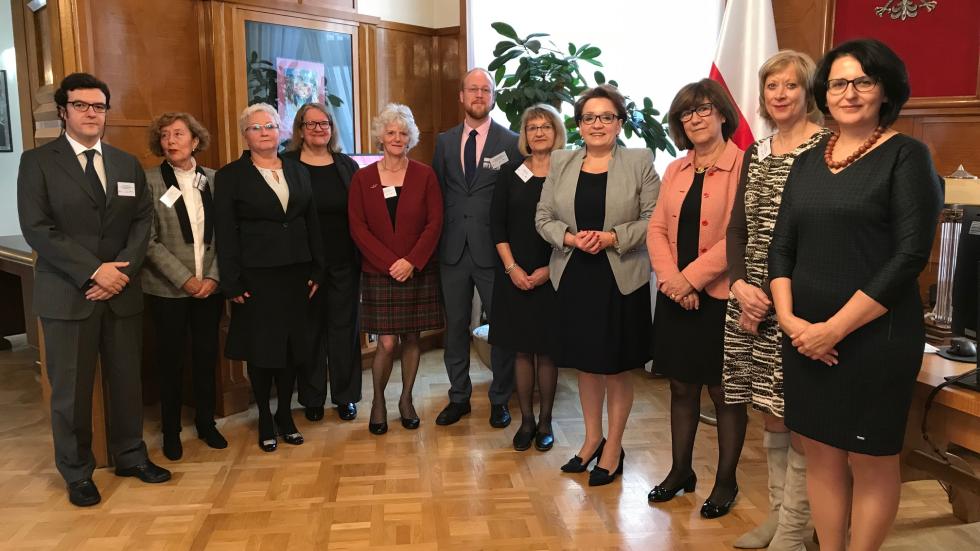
(686, 240)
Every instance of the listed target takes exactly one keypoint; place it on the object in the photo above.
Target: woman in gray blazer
(594, 208)
(180, 276)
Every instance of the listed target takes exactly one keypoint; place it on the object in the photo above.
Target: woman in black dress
(686, 240)
(332, 325)
(855, 228)
(594, 208)
(270, 255)
(523, 298)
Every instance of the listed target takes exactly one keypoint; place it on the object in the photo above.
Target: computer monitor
(966, 289)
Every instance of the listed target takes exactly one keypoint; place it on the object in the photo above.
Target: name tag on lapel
(170, 197)
(200, 181)
(126, 189)
(765, 149)
(524, 173)
(495, 162)
(389, 191)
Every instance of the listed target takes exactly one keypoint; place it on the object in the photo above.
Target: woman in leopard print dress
(752, 370)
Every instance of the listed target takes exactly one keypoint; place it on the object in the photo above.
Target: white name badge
(200, 182)
(524, 173)
(765, 148)
(389, 191)
(498, 160)
(126, 189)
(170, 197)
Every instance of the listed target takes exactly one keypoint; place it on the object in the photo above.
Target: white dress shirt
(80, 150)
(188, 181)
(277, 181)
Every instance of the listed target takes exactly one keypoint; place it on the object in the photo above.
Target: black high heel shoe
(410, 423)
(578, 465)
(379, 428)
(267, 434)
(661, 493)
(600, 476)
(711, 509)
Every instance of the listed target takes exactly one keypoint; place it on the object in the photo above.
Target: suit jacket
(169, 257)
(632, 186)
(253, 231)
(62, 221)
(710, 271)
(467, 207)
(418, 221)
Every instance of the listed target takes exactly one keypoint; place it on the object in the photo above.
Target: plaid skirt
(392, 308)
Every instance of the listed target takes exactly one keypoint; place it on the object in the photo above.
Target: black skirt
(688, 345)
(268, 330)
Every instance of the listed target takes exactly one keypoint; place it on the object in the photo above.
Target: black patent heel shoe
(287, 429)
(661, 493)
(267, 434)
(409, 422)
(711, 509)
(578, 465)
(601, 477)
(381, 427)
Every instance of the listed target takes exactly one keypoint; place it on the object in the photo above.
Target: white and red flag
(746, 40)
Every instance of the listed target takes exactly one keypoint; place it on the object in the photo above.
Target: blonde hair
(395, 113)
(197, 131)
(805, 72)
(296, 141)
(541, 111)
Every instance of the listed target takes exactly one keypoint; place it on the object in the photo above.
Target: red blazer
(710, 271)
(418, 220)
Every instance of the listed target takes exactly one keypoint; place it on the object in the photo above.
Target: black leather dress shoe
(83, 493)
(347, 412)
(212, 438)
(523, 438)
(314, 413)
(172, 447)
(578, 465)
(544, 441)
(453, 413)
(499, 416)
(661, 493)
(600, 476)
(146, 472)
(711, 509)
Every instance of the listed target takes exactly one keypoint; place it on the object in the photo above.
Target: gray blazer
(170, 259)
(632, 187)
(466, 208)
(73, 234)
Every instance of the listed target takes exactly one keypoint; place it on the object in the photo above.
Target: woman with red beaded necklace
(854, 230)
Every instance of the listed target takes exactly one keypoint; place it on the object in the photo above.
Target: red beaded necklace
(829, 152)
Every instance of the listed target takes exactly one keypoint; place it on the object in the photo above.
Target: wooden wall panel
(803, 25)
(407, 67)
(450, 55)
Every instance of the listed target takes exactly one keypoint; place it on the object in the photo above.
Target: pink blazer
(710, 271)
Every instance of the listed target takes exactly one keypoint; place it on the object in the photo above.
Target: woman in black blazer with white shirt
(270, 253)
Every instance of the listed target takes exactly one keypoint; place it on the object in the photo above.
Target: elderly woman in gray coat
(180, 276)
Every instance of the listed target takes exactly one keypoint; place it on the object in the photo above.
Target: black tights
(285, 380)
(685, 412)
(547, 376)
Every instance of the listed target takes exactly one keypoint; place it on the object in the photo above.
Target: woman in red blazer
(686, 241)
(395, 214)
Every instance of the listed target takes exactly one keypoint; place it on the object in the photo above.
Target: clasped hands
(200, 288)
(813, 340)
(754, 303)
(401, 270)
(593, 241)
(680, 290)
(107, 281)
(526, 282)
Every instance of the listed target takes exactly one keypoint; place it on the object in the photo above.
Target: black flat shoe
(378, 428)
(409, 422)
(314, 413)
(347, 412)
(83, 493)
(268, 445)
(544, 441)
(600, 476)
(523, 439)
(711, 509)
(213, 438)
(267, 434)
(146, 472)
(660, 493)
(453, 413)
(173, 449)
(286, 428)
(578, 465)
(499, 416)
(293, 438)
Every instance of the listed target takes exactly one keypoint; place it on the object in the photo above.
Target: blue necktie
(469, 158)
(93, 178)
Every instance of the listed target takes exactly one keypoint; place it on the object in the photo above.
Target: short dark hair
(77, 81)
(880, 63)
(607, 91)
(692, 95)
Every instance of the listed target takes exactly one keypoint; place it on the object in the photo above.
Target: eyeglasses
(474, 90)
(541, 127)
(82, 106)
(606, 118)
(261, 127)
(838, 86)
(313, 125)
(703, 110)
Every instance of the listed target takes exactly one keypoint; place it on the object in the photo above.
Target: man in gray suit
(85, 209)
(467, 160)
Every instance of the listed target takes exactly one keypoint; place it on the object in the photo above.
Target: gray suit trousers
(458, 281)
(71, 348)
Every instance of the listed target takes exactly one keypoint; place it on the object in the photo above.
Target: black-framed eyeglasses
(838, 86)
(83, 106)
(606, 118)
(703, 110)
(261, 127)
(313, 125)
(542, 127)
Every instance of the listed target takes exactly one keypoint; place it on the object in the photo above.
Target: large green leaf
(533, 45)
(505, 29)
(502, 47)
(599, 77)
(502, 60)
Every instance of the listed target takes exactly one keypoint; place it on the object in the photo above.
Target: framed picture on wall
(6, 141)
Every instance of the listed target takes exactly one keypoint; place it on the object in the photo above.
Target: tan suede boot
(794, 515)
(776, 445)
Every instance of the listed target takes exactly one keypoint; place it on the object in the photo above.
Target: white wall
(9, 161)
(425, 13)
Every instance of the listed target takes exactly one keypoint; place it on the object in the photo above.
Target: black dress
(688, 344)
(869, 227)
(523, 321)
(601, 330)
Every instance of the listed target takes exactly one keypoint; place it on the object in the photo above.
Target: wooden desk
(954, 418)
(17, 288)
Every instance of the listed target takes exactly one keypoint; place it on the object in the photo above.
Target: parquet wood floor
(438, 488)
